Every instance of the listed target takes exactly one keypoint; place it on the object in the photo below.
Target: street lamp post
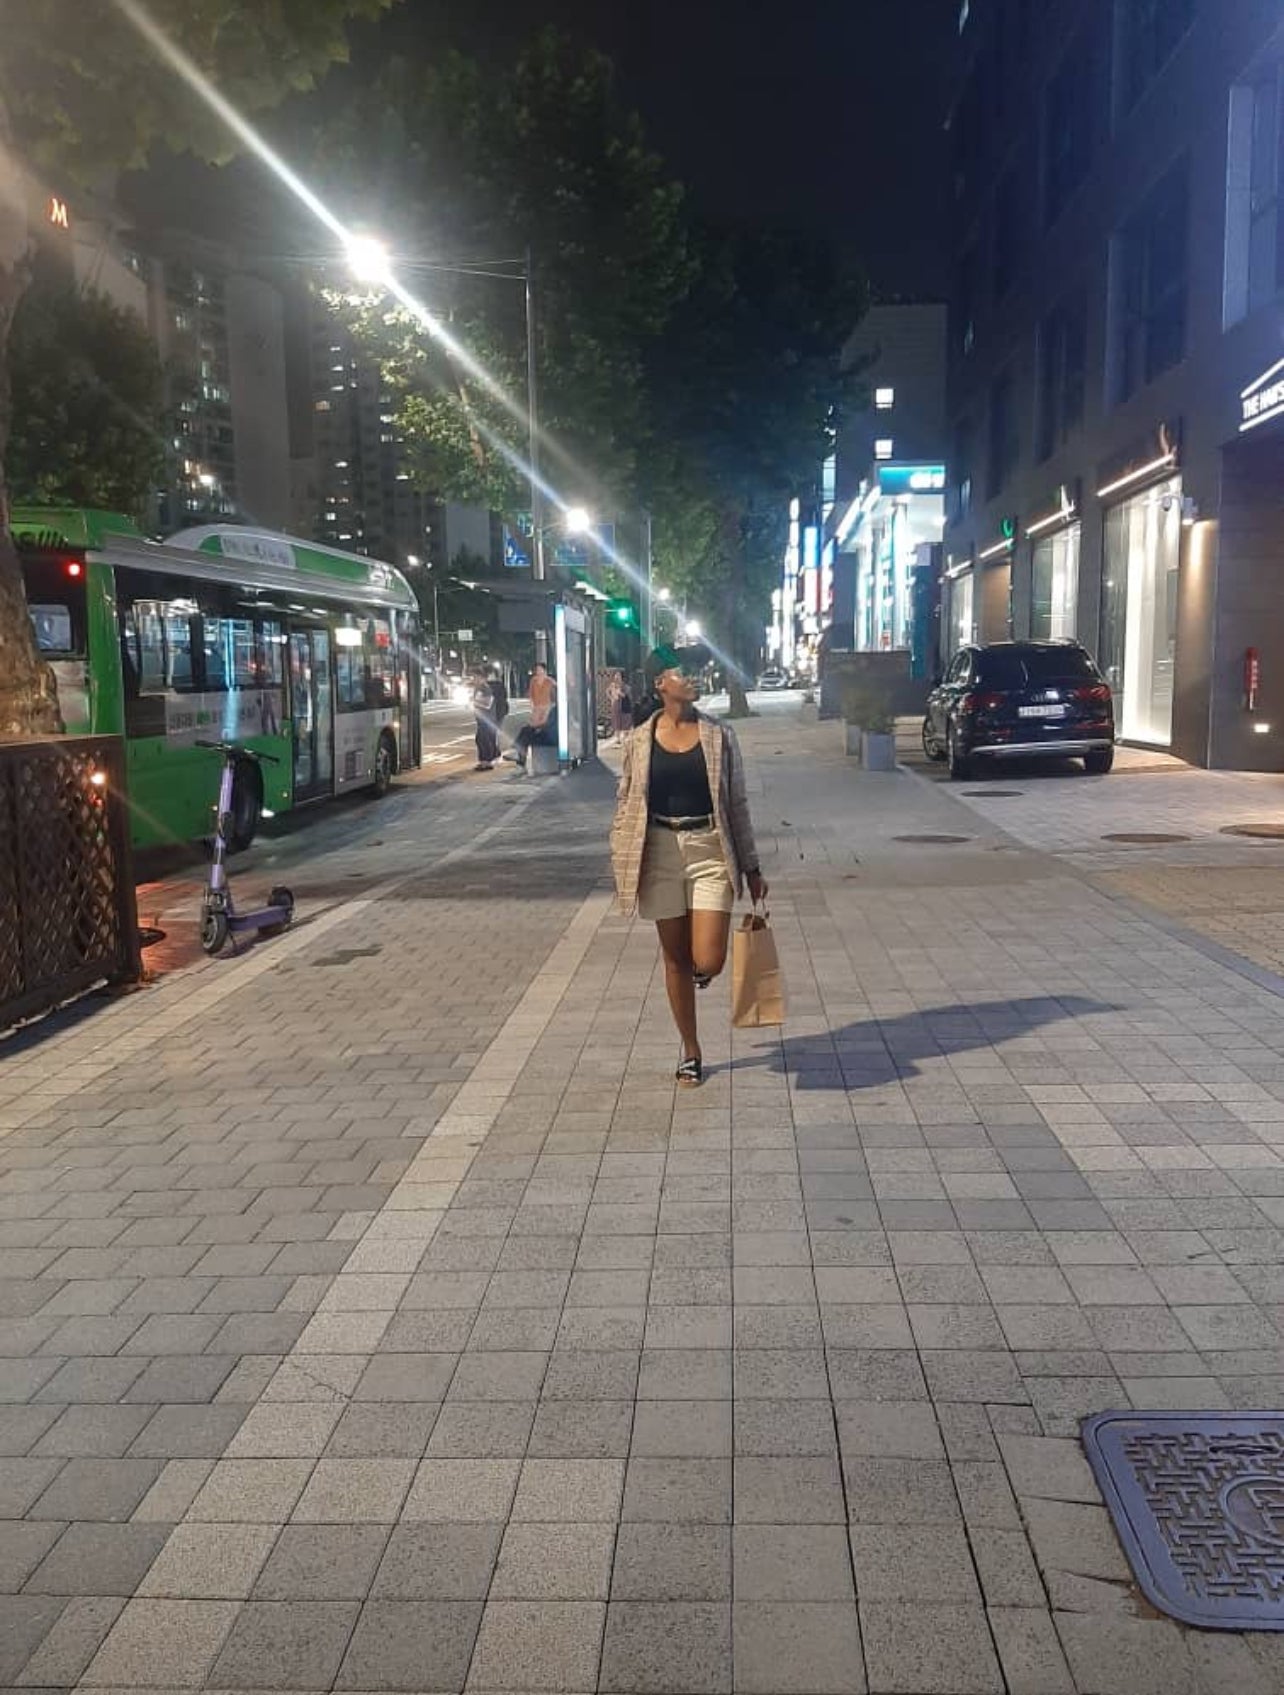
(538, 566)
(371, 263)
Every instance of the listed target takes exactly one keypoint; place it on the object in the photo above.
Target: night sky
(824, 114)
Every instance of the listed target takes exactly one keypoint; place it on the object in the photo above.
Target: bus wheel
(385, 764)
(247, 805)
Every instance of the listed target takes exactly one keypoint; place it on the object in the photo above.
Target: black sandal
(690, 1073)
(701, 979)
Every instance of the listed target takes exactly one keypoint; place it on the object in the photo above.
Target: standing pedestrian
(682, 844)
(487, 740)
(498, 707)
(614, 695)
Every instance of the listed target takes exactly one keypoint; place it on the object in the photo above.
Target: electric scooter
(219, 917)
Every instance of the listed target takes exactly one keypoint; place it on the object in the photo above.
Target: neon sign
(58, 214)
(1263, 399)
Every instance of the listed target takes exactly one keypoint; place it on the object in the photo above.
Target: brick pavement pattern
(375, 1316)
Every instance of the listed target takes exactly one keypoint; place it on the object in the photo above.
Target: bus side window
(128, 651)
(271, 653)
(149, 646)
(179, 671)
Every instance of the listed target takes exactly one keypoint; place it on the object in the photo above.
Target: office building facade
(883, 534)
(1115, 395)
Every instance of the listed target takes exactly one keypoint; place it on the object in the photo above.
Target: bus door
(312, 710)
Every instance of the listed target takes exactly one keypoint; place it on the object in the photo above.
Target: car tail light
(988, 702)
(1093, 691)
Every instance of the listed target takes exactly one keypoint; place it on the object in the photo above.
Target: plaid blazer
(730, 806)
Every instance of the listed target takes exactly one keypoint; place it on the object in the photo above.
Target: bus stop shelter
(569, 624)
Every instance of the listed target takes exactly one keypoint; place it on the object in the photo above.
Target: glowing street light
(368, 259)
(578, 521)
(666, 595)
(693, 630)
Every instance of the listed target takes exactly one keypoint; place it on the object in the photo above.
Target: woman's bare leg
(675, 944)
(710, 932)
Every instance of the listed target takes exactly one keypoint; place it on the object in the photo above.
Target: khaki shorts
(683, 871)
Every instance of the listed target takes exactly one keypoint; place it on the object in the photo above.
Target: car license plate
(1041, 711)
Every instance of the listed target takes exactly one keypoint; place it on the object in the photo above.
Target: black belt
(680, 824)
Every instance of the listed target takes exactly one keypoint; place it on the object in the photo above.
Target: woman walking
(682, 844)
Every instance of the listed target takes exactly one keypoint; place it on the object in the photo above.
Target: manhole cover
(932, 840)
(1198, 1503)
(1261, 832)
(1143, 838)
(993, 794)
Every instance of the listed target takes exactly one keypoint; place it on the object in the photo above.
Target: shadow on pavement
(876, 1052)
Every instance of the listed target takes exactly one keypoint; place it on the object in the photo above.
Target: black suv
(1019, 700)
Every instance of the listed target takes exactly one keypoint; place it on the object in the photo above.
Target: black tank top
(679, 786)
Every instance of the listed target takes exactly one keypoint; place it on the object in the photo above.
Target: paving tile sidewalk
(401, 1329)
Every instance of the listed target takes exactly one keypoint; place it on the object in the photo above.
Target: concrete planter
(852, 740)
(878, 751)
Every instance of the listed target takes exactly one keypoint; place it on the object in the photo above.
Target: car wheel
(931, 747)
(247, 806)
(960, 764)
(1099, 761)
(384, 765)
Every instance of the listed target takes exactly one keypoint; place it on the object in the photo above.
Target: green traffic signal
(624, 612)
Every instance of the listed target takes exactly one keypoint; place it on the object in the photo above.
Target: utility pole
(538, 571)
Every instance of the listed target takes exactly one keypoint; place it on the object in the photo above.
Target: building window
(1055, 585)
(1148, 33)
(1067, 128)
(1139, 610)
(1151, 266)
(884, 399)
(884, 447)
(1063, 360)
(965, 302)
(1008, 233)
(1005, 433)
(1254, 228)
(961, 473)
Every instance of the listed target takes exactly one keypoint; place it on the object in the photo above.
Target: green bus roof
(68, 526)
(280, 562)
(266, 548)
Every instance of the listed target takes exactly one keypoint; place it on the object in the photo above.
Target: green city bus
(294, 649)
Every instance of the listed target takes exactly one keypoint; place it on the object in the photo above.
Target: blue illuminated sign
(911, 479)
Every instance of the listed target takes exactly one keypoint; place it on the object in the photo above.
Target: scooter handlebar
(237, 749)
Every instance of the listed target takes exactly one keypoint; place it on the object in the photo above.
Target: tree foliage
(88, 403)
(690, 371)
(83, 95)
(86, 94)
(747, 388)
(542, 158)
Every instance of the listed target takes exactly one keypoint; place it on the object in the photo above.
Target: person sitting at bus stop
(538, 732)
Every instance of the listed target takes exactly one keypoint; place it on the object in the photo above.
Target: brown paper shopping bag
(757, 992)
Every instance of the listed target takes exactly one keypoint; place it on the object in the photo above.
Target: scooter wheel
(214, 931)
(285, 900)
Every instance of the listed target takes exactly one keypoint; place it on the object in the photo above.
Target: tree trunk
(28, 693)
(733, 624)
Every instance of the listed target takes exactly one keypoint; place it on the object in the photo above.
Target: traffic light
(623, 614)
